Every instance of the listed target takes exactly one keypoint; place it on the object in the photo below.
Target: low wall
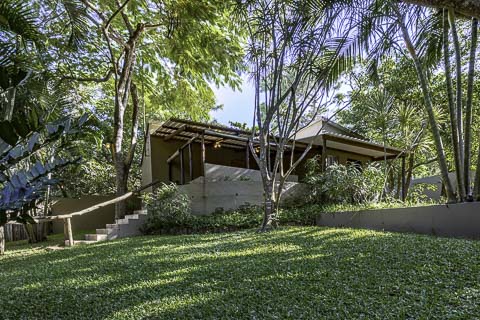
(454, 220)
(216, 172)
(210, 196)
(93, 220)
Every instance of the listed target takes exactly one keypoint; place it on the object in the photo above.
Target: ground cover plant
(290, 273)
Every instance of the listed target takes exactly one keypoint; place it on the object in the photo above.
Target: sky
(237, 105)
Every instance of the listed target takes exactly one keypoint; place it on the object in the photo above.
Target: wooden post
(67, 229)
(169, 171)
(404, 189)
(190, 162)
(324, 153)
(202, 159)
(204, 184)
(247, 155)
(182, 170)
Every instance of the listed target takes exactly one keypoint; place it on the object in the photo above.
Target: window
(331, 160)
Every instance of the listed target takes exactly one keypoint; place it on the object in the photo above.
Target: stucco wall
(455, 220)
(208, 197)
(216, 172)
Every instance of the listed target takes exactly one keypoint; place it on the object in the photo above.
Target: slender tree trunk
(458, 67)
(429, 108)
(10, 105)
(451, 108)
(468, 111)
(476, 188)
(2, 240)
(269, 210)
(459, 106)
(408, 180)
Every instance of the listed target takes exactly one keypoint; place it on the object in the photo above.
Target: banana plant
(24, 177)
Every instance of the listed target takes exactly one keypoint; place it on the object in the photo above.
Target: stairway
(127, 227)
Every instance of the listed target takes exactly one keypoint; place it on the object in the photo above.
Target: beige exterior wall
(161, 150)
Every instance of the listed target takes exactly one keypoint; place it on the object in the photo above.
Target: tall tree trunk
(429, 107)
(451, 107)
(459, 105)
(121, 181)
(122, 94)
(468, 110)
(2, 240)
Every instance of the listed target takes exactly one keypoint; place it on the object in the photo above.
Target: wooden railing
(67, 218)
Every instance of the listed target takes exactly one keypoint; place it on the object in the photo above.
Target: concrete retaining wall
(456, 220)
(93, 220)
(210, 196)
(216, 172)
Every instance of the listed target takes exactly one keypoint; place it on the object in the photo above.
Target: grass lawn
(292, 273)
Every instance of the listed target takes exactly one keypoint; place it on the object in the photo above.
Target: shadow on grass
(288, 273)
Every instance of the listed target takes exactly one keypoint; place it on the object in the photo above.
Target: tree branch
(109, 21)
(89, 79)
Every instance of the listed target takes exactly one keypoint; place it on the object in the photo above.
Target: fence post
(67, 228)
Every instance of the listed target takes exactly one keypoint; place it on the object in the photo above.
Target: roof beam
(391, 157)
(361, 144)
(174, 133)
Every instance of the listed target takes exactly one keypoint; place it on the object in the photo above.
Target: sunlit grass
(295, 272)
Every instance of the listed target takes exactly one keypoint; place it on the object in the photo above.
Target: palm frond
(77, 22)
(19, 18)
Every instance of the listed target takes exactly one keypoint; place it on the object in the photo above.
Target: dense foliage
(303, 273)
(344, 183)
(167, 207)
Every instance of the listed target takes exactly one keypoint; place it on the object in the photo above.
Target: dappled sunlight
(315, 272)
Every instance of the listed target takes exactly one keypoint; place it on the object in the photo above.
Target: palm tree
(468, 111)
(400, 20)
(421, 31)
(454, 114)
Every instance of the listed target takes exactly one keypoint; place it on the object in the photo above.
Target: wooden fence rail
(67, 218)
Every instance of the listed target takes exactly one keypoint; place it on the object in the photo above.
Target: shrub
(167, 207)
(344, 184)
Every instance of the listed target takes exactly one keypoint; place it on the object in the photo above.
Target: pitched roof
(340, 139)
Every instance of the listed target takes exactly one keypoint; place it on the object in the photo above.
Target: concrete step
(122, 221)
(140, 212)
(112, 226)
(106, 231)
(132, 216)
(67, 242)
(95, 237)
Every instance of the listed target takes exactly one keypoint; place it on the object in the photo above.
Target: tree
(295, 54)
(33, 109)
(185, 43)
(423, 42)
(404, 125)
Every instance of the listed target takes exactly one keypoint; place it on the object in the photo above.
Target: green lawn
(292, 273)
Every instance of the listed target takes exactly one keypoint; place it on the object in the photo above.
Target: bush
(167, 207)
(344, 184)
